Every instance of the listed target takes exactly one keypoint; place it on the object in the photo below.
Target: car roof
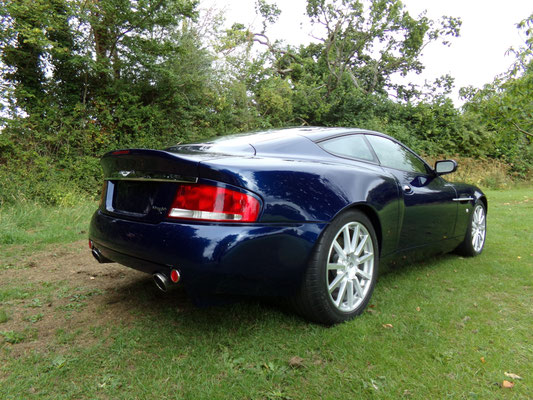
(285, 140)
(314, 133)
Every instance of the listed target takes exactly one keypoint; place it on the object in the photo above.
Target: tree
(83, 76)
(23, 47)
(361, 47)
(505, 107)
(94, 58)
(371, 41)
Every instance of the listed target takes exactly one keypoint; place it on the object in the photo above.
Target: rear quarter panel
(296, 191)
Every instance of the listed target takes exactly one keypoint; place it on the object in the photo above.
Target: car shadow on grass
(141, 299)
(407, 265)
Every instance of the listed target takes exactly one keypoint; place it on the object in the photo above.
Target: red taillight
(213, 203)
(119, 152)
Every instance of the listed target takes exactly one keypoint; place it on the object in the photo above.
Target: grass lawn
(73, 329)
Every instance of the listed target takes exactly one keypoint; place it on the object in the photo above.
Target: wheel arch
(479, 196)
(483, 199)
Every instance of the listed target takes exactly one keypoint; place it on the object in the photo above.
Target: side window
(352, 146)
(393, 155)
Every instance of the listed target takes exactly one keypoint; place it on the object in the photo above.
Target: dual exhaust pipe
(163, 282)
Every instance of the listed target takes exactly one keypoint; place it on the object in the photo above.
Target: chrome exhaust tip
(162, 282)
(99, 257)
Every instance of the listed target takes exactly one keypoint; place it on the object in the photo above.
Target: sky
(474, 58)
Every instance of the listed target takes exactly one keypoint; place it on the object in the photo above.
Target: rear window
(352, 146)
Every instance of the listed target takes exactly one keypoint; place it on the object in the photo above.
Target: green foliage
(505, 109)
(53, 182)
(28, 225)
(82, 78)
(274, 100)
(4, 317)
(34, 318)
(368, 42)
(13, 337)
(123, 75)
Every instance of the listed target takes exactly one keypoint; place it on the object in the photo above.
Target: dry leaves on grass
(296, 362)
(511, 375)
(387, 326)
(507, 384)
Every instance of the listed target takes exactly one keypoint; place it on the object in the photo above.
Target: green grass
(29, 227)
(458, 325)
(3, 316)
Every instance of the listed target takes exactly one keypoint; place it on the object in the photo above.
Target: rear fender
(312, 191)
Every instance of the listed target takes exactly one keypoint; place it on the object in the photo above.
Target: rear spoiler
(152, 165)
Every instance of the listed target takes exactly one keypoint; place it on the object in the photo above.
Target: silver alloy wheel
(350, 266)
(479, 227)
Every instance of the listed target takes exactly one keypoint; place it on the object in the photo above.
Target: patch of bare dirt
(70, 296)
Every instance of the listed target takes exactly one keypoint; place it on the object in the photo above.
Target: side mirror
(445, 167)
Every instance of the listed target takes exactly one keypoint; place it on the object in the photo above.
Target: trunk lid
(141, 184)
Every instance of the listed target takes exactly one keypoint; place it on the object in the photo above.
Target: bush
(486, 173)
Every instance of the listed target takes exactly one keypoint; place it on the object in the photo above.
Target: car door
(428, 212)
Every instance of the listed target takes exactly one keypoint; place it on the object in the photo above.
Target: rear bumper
(266, 259)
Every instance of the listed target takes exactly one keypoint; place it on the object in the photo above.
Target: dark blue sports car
(306, 213)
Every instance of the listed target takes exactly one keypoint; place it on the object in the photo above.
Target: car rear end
(158, 214)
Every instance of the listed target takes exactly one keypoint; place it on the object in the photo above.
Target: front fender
(465, 208)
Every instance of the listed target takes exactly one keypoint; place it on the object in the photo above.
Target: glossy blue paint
(464, 208)
(212, 251)
(428, 210)
(301, 188)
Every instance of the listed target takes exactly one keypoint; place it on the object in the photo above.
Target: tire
(476, 232)
(340, 277)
